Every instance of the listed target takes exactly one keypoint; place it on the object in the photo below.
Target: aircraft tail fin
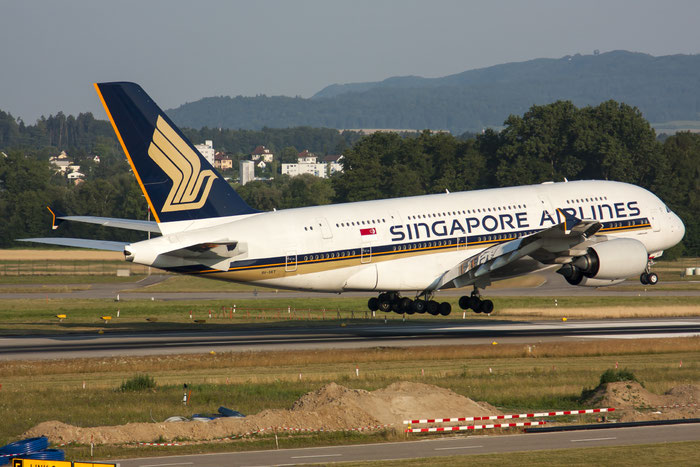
(178, 183)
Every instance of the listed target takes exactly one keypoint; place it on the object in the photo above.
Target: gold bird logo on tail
(191, 185)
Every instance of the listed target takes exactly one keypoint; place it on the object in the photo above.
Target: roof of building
(332, 158)
(260, 150)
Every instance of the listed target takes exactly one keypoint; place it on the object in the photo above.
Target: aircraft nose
(680, 227)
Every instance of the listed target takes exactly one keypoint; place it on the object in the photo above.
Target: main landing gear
(392, 301)
(648, 277)
(474, 302)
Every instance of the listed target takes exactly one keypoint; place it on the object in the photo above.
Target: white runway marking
(318, 455)
(640, 336)
(461, 447)
(590, 439)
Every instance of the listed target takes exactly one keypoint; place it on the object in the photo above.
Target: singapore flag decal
(370, 231)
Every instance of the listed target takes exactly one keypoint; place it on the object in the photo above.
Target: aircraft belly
(415, 273)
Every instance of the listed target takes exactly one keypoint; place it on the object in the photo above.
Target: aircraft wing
(79, 243)
(556, 245)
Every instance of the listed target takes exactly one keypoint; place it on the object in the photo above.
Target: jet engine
(607, 263)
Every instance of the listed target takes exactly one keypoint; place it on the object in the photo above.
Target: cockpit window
(667, 209)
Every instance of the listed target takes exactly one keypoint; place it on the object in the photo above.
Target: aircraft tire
(486, 306)
(445, 309)
(373, 304)
(644, 278)
(465, 302)
(433, 307)
(652, 278)
(384, 306)
(419, 306)
(405, 305)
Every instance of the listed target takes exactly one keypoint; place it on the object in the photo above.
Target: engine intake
(607, 263)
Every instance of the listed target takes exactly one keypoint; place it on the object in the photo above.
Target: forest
(609, 141)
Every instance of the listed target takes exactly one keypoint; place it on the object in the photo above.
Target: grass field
(26, 316)
(547, 377)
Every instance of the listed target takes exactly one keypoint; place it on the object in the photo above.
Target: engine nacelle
(607, 263)
(588, 282)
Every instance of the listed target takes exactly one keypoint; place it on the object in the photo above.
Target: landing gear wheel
(445, 309)
(419, 306)
(652, 278)
(405, 305)
(644, 278)
(433, 307)
(384, 306)
(373, 304)
(486, 306)
(465, 302)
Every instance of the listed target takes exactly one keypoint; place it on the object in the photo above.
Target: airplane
(593, 233)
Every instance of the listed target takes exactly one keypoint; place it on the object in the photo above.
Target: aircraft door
(366, 254)
(325, 227)
(290, 262)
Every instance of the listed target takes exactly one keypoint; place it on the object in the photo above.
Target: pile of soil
(635, 403)
(332, 407)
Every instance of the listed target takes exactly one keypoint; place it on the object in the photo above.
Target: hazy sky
(181, 50)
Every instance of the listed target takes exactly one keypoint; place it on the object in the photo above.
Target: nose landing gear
(648, 277)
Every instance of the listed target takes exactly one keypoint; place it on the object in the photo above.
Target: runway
(375, 334)
(431, 447)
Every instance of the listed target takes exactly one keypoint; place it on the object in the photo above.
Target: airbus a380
(594, 233)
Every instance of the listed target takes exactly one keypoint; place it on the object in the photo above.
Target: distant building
(62, 164)
(317, 170)
(76, 177)
(261, 152)
(307, 163)
(222, 162)
(333, 163)
(207, 151)
(306, 157)
(261, 165)
(247, 171)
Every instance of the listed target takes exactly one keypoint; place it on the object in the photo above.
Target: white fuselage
(402, 244)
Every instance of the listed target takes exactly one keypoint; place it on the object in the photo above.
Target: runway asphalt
(375, 334)
(431, 447)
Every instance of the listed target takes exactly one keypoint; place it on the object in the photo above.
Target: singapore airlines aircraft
(594, 233)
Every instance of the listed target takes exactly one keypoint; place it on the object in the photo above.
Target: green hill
(664, 88)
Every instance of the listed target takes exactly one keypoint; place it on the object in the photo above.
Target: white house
(261, 152)
(317, 170)
(307, 163)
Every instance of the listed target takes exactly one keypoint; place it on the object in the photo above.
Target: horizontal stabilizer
(79, 243)
(129, 224)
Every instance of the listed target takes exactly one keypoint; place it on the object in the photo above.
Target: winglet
(56, 219)
(570, 221)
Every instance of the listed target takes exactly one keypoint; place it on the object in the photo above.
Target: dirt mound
(636, 403)
(332, 407)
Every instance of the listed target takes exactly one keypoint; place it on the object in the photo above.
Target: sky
(182, 50)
